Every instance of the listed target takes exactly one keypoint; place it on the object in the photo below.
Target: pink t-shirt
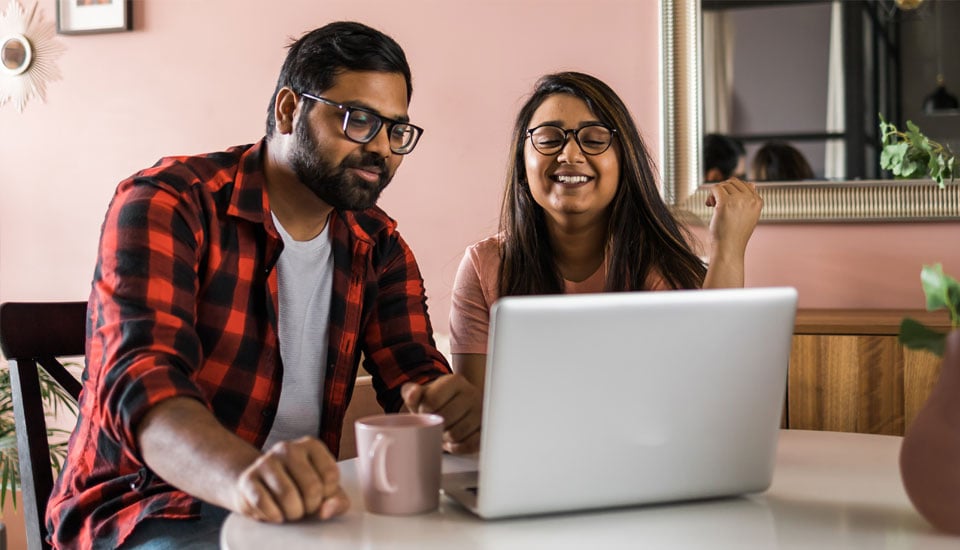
(475, 291)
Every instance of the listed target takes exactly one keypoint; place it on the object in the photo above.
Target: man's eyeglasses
(592, 139)
(361, 126)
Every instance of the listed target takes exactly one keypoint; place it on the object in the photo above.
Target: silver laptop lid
(605, 400)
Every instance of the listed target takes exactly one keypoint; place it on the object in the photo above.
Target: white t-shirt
(305, 271)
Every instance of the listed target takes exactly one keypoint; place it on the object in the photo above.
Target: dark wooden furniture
(32, 336)
(849, 372)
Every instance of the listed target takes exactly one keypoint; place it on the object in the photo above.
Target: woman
(780, 161)
(582, 213)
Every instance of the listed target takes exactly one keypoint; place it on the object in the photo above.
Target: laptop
(621, 399)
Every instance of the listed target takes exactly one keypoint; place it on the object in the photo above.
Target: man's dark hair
(315, 60)
(723, 153)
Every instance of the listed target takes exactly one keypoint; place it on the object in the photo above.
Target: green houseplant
(930, 453)
(54, 397)
(942, 292)
(912, 155)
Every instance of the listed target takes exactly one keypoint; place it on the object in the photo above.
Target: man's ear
(284, 110)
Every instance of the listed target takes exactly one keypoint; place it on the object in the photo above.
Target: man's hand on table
(292, 480)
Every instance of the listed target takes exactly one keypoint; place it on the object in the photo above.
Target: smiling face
(570, 185)
(345, 174)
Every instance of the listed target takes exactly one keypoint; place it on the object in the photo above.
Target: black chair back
(32, 336)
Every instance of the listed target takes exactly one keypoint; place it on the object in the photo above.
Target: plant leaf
(54, 397)
(950, 170)
(915, 137)
(887, 131)
(909, 167)
(892, 155)
(916, 335)
(936, 167)
(4, 485)
(912, 155)
(941, 291)
(935, 284)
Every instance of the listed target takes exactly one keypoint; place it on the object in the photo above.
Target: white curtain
(717, 49)
(836, 157)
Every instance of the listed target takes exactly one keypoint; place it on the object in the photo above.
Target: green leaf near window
(912, 155)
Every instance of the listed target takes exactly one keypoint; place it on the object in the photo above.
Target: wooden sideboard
(849, 373)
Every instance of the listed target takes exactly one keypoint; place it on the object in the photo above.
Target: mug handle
(378, 455)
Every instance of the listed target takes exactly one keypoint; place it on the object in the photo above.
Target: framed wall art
(93, 16)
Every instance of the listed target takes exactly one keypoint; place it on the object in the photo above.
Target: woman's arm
(470, 312)
(737, 210)
(471, 366)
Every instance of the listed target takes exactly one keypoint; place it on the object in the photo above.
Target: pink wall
(195, 76)
(851, 265)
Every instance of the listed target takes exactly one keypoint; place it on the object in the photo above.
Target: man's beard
(331, 183)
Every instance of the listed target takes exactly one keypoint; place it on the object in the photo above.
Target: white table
(830, 490)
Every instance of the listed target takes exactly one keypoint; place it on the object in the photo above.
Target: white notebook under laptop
(617, 399)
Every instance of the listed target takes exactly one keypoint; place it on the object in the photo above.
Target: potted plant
(54, 397)
(930, 454)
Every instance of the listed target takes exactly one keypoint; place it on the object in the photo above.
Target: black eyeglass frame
(576, 137)
(382, 121)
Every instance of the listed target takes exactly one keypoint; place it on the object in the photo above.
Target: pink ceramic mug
(399, 457)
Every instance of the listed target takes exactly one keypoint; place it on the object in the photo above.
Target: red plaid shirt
(184, 303)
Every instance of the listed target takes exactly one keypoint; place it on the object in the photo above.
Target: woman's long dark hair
(780, 161)
(642, 234)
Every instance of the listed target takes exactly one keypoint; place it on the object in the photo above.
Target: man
(723, 158)
(233, 296)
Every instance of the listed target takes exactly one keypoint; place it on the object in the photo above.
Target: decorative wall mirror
(27, 52)
(861, 200)
(16, 54)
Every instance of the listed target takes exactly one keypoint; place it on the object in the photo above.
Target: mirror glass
(15, 54)
(684, 49)
(805, 79)
(815, 73)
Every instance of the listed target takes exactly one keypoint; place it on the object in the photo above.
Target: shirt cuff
(142, 393)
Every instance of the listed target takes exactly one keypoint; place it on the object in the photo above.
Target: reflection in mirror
(810, 75)
(815, 73)
(808, 201)
(16, 54)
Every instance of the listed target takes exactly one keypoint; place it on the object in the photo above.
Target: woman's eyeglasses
(592, 139)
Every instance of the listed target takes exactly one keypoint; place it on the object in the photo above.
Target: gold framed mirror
(787, 202)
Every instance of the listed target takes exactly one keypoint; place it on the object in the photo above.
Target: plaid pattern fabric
(184, 303)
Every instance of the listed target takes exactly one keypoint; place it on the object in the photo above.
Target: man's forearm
(183, 443)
